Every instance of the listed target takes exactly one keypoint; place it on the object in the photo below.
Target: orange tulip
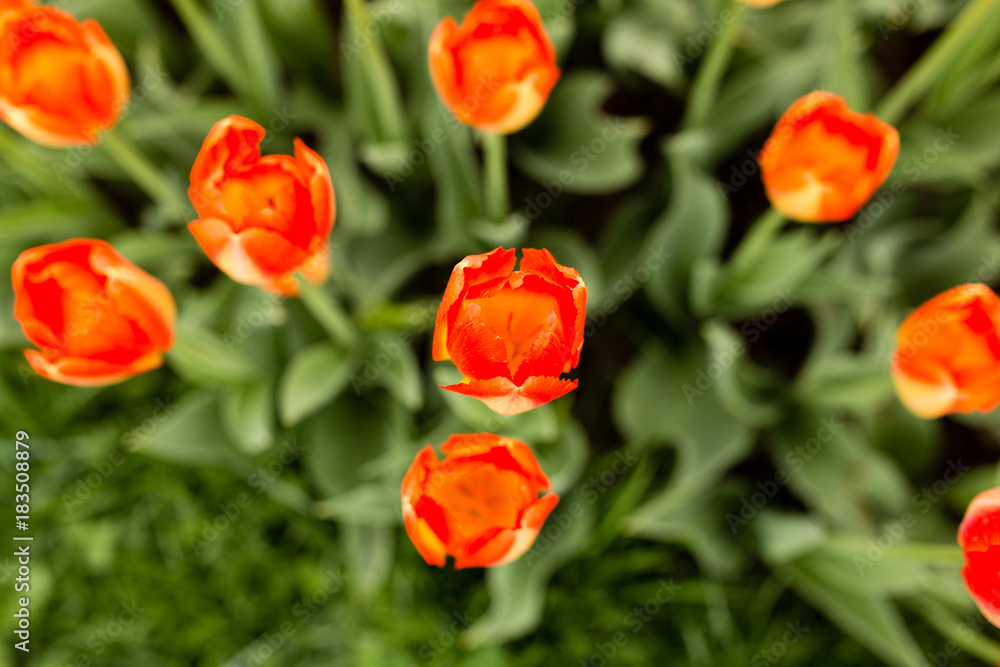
(823, 161)
(97, 318)
(761, 4)
(61, 82)
(262, 219)
(512, 333)
(480, 504)
(496, 70)
(979, 537)
(948, 354)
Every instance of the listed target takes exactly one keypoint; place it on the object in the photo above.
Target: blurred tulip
(62, 82)
(948, 355)
(496, 70)
(979, 537)
(262, 219)
(97, 318)
(480, 504)
(823, 161)
(512, 333)
(761, 4)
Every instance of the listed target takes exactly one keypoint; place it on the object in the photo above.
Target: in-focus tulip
(496, 70)
(947, 357)
(823, 161)
(512, 333)
(96, 318)
(62, 82)
(262, 219)
(480, 504)
(979, 537)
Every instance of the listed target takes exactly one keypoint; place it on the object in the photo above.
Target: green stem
(388, 106)
(929, 69)
(211, 43)
(138, 167)
(761, 233)
(329, 313)
(926, 551)
(706, 82)
(957, 630)
(496, 190)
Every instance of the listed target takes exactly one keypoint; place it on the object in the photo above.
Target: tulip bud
(261, 219)
(62, 82)
(496, 70)
(97, 318)
(512, 333)
(480, 504)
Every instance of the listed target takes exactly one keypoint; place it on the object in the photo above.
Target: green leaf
(202, 358)
(190, 434)
(590, 153)
(875, 623)
(247, 414)
(693, 226)
(313, 378)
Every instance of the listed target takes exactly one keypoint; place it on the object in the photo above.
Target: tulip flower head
(62, 82)
(512, 333)
(96, 318)
(262, 219)
(823, 162)
(762, 4)
(496, 70)
(480, 504)
(948, 355)
(979, 537)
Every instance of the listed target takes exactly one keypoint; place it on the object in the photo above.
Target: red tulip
(496, 70)
(96, 317)
(62, 82)
(979, 537)
(262, 218)
(512, 333)
(823, 161)
(948, 354)
(480, 504)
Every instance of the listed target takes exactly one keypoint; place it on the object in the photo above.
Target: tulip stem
(496, 190)
(760, 235)
(932, 65)
(705, 87)
(137, 166)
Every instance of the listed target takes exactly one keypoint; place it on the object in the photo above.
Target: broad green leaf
(313, 378)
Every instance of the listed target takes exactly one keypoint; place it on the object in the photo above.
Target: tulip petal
(471, 271)
(506, 398)
(979, 537)
(88, 372)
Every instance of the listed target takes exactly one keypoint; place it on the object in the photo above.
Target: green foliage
(734, 444)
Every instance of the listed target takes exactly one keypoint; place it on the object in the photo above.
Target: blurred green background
(739, 484)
